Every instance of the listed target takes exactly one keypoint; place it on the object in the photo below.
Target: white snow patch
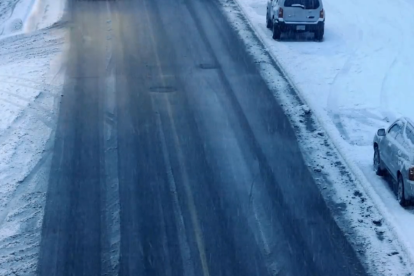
(354, 82)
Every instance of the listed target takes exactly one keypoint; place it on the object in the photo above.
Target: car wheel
(268, 21)
(377, 162)
(277, 32)
(400, 191)
(319, 34)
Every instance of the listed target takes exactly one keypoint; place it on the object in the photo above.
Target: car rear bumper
(300, 27)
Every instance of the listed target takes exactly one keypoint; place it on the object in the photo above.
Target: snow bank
(31, 82)
(44, 14)
(30, 88)
(13, 14)
(17, 16)
(354, 82)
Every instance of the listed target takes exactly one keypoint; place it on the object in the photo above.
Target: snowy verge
(31, 80)
(363, 215)
(45, 13)
(30, 91)
(13, 15)
(23, 16)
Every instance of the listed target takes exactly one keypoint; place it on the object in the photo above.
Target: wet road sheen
(172, 157)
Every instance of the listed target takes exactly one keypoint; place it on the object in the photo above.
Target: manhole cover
(162, 89)
(208, 66)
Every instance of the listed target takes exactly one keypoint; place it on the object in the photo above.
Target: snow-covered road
(357, 80)
(30, 89)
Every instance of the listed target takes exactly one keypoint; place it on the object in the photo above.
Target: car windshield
(306, 4)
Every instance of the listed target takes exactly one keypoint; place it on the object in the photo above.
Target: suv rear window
(308, 4)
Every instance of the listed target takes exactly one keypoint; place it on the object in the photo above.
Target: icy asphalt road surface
(172, 157)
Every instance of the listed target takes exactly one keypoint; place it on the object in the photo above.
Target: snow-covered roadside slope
(44, 14)
(355, 81)
(17, 16)
(31, 82)
(13, 15)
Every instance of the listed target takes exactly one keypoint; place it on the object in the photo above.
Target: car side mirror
(381, 132)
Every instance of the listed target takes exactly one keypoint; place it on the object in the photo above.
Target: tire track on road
(110, 190)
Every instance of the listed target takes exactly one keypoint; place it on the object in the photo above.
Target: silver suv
(394, 153)
(296, 16)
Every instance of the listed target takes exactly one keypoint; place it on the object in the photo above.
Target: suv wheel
(319, 33)
(268, 21)
(277, 32)
(400, 191)
(377, 162)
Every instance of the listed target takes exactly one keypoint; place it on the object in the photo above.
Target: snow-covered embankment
(31, 82)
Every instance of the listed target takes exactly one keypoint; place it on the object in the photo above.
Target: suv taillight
(411, 174)
(280, 14)
(322, 14)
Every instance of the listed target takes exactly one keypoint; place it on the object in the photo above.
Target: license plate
(301, 28)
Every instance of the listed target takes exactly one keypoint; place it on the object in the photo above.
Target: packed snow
(357, 80)
(30, 89)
